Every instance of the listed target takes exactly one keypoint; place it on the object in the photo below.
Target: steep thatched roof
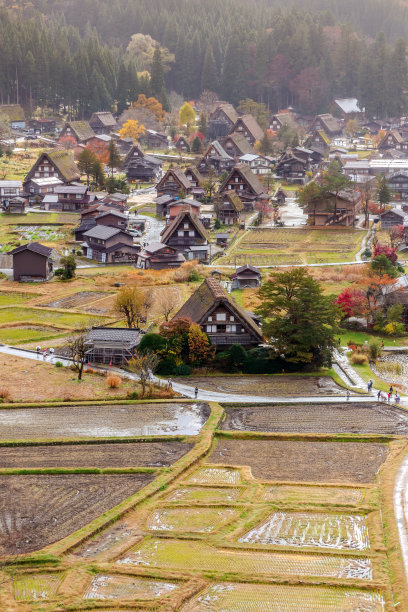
(209, 295)
(249, 177)
(251, 124)
(186, 212)
(179, 175)
(81, 129)
(235, 200)
(240, 142)
(64, 162)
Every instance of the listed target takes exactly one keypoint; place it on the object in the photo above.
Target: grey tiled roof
(103, 232)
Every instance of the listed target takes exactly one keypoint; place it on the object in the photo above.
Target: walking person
(196, 393)
(348, 395)
(369, 385)
(397, 398)
(339, 342)
(170, 384)
(391, 390)
(389, 396)
(38, 349)
(379, 395)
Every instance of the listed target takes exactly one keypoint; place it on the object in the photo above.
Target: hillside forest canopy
(79, 55)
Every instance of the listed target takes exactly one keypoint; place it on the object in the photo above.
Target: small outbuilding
(32, 262)
(112, 345)
(246, 276)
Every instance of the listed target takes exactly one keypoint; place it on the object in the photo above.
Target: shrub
(59, 272)
(374, 350)
(182, 370)
(359, 359)
(5, 394)
(152, 342)
(133, 395)
(394, 329)
(166, 366)
(114, 381)
(58, 364)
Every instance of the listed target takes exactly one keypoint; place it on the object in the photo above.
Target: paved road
(401, 509)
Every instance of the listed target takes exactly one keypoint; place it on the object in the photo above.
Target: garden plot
(233, 597)
(37, 510)
(146, 454)
(215, 475)
(294, 246)
(197, 555)
(264, 386)
(214, 495)
(281, 460)
(28, 333)
(38, 316)
(292, 494)
(34, 233)
(115, 586)
(300, 529)
(12, 299)
(77, 300)
(319, 418)
(190, 520)
(103, 421)
(29, 587)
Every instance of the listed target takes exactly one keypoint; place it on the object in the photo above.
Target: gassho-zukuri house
(224, 321)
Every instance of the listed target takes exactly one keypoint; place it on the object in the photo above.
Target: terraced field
(218, 521)
(268, 247)
(319, 418)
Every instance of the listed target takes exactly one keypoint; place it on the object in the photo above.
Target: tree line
(259, 50)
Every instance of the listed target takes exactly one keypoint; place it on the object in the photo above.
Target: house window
(37, 174)
(229, 186)
(242, 330)
(186, 226)
(221, 316)
(78, 196)
(211, 329)
(231, 328)
(191, 233)
(232, 318)
(209, 319)
(46, 174)
(236, 179)
(180, 233)
(241, 186)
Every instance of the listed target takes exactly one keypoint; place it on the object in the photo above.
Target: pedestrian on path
(370, 385)
(379, 395)
(389, 396)
(169, 384)
(397, 398)
(339, 342)
(196, 392)
(348, 395)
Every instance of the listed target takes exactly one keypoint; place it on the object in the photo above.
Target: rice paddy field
(161, 506)
(269, 247)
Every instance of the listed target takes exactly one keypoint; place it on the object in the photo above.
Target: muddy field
(318, 418)
(279, 460)
(77, 300)
(147, 454)
(41, 509)
(280, 385)
(103, 421)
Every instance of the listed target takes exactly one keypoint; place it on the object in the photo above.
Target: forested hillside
(74, 53)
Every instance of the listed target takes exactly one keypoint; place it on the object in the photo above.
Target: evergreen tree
(383, 191)
(115, 159)
(157, 86)
(209, 77)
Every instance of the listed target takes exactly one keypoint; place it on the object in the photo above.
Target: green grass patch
(52, 317)
(359, 337)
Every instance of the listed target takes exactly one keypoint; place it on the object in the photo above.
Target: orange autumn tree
(150, 104)
(100, 148)
(132, 129)
(200, 349)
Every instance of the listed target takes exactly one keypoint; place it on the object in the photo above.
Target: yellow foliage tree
(150, 104)
(132, 129)
(187, 115)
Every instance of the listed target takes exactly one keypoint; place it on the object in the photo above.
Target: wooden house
(283, 119)
(392, 218)
(196, 178)
(229, 210)
(173, 183)
(41, 126)
(188, 235)
(109, 218)
(182, 145)
(393, 140)
(319, 138)
(215, 158)
(236, 145)
(15, 114)
(162, 204)
(292, 168)
(109, 245)
(112, 345)
(159, 256)
(347, 108)
(14, 206)
(258, 164)
(57, 165)
(221, 121)
(246, 185)
(398, 182)
(155, 140)
(330, 125)
(246, 276)
(224, 321)
(9, 190)
(32, 262)
(340, 211)
(247, 126)
(103, 122)
(116, 200)
(141, 167)
(74, 133)
(69, 198)
(175, 207)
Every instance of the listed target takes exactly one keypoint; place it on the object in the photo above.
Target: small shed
(222, 238)
(246, 276)
(113, 346)
(393, 217)
(15, 206)
(32, 262)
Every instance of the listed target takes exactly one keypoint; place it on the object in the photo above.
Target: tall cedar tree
(115, 159)
(299, 320)
(157, 85)
(86, 163)
(209, 78)
(383, 191)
